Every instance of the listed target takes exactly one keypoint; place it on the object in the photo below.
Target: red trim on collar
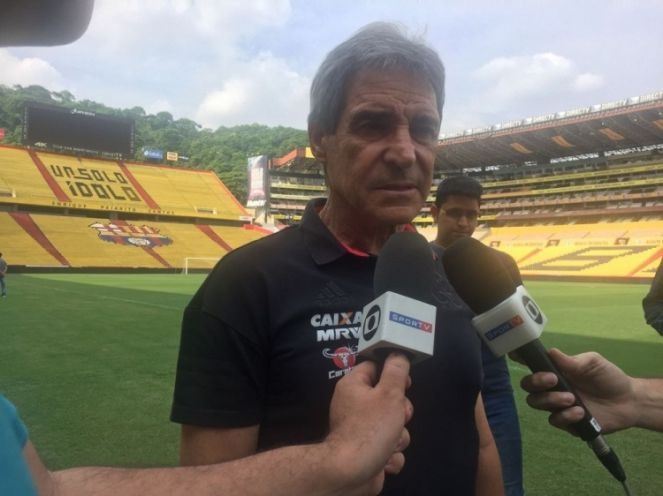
(360, 253)
(353, 251)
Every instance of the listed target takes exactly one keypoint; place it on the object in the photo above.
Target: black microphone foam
(481, 279)
(477, 274)
(44, 22)
(405, 266)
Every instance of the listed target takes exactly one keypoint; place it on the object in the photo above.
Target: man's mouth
(397, 186)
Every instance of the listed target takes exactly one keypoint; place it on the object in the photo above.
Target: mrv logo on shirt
(336, 326)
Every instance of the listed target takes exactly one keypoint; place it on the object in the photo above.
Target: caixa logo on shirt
(343, 357)
(336, 326)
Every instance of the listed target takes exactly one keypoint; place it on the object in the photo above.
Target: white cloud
(127, 26)
(174, 54)
(509, 79)
(158, 106)
(27, 71)
(587, 81)
(202, 59)
(264, 90)
(239, 17)
(227, 101)
(521, 76)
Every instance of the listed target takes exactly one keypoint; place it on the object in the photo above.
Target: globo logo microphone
(399, 319)
(511, 324)
(371, 322)
(396, 322)
(532, 309)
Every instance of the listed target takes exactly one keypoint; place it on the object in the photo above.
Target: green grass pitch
(90, 360)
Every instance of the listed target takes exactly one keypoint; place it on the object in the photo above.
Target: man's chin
(397, 215)
(401, 212)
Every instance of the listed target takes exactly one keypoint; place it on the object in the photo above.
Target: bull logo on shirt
(343, 357)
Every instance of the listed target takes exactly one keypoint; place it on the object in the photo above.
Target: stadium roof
(632, 123)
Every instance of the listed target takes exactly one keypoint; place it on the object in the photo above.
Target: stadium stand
(84, 245)
(51, 240)
(21, 181)
(188, 192)
(235, 238)
(575, 194)
(617, 249)
(79, 212)
(24, 248)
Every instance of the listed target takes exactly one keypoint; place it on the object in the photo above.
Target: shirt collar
(322, 244)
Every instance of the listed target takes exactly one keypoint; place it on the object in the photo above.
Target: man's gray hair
(378, 45)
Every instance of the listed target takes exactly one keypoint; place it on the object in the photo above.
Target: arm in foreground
(352, 460)
(652, 303)
(616, 400)
(489, 469)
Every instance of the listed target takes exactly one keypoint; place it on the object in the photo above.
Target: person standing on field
(276, 324)
(3, 271)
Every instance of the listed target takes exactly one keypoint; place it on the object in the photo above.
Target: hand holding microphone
(400, 319)
(610, 393)
(374, 442)
(509, 320)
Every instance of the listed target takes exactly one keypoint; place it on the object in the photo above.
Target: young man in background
(456, 213)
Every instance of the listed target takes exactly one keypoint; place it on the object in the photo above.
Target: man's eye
(369, 128)
(424, 133)
(377, 126)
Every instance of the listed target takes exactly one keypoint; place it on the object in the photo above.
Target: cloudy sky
(227, 62)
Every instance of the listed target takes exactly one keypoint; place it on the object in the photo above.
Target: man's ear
(316, 140)
(434, 211)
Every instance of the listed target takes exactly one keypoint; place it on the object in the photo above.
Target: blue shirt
(15, 478)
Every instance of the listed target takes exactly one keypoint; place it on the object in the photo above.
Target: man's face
(379, 161)
(456, 218)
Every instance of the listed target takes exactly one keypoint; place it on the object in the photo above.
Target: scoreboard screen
(77, 130)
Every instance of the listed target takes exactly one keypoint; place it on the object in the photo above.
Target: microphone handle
(535, 355)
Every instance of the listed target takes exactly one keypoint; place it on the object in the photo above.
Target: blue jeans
(3, 286)
(502, 416)
(503, 419)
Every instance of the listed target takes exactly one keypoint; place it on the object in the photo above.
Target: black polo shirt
(275, 325)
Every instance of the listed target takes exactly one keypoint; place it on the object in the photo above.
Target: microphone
(509, 320)
(47, 22)
(402, 316)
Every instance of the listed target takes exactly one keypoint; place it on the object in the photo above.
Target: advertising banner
(257, 168)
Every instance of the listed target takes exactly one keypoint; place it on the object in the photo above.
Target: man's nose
(401, 149)
(463, 220)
